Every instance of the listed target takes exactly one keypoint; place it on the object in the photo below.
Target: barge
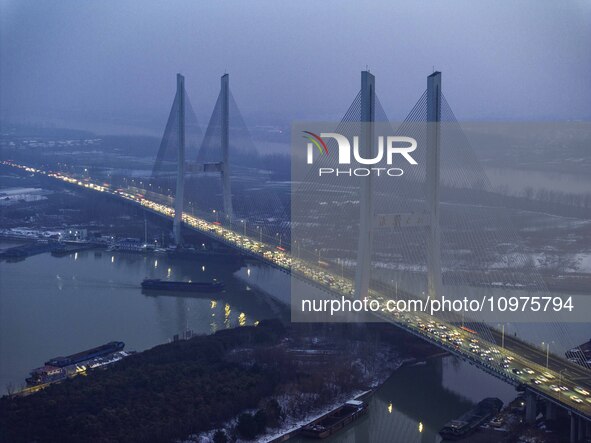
(471, 420)
(334, 421)
(99, 351)
(60, 368)
(168, 285)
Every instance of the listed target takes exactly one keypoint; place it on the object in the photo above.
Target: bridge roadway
(521, 364)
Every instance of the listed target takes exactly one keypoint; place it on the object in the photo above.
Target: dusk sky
(111, 65)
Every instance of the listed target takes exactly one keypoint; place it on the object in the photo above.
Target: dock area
(57, 249)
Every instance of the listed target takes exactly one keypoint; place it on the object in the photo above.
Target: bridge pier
(580, 428)
(180, 177)
(551, 410)
(573, 428)
(530, 407)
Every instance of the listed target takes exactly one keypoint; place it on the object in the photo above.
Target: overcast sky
(104, 64)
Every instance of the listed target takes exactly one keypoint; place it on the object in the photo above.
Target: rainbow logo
(317, 141)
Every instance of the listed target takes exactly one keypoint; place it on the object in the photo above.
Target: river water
(52, 306)
(418, 400)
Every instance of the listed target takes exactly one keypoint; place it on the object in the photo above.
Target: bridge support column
(581, 431)
(573, 428)
(434, 280)
(180, 177)
(550, 411)
(366, 148)
(530, 407)
(225, 135)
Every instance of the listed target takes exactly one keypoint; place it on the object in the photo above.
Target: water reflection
(76, 302)
(417, 401)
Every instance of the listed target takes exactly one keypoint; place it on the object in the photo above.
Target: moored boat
(334, 421)
(60, 368)
(168, 285)
(471, 420)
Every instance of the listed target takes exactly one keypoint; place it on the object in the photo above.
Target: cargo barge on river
(168, 285)
(60, 368)
(336, 420)
(471, 420)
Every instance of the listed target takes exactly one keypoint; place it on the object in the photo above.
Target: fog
(109, 66)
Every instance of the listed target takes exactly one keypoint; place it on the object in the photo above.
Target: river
(413, 404)
(52, 306)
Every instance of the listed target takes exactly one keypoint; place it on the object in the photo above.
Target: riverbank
(293, 429)
(91, 297)
(150, 396)
(285, 372)
(335, 363)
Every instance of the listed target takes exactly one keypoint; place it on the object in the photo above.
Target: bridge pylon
(179, 139)
(366, 213)
(180, 176)
(434, 280)
(214, 154)
(429, 217)
(225, 139)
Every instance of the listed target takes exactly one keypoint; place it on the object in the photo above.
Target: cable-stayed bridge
(230, 203)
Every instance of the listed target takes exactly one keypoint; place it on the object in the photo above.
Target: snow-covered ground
(10, 196)
(28, 233)
(292, 423)
(584, 262)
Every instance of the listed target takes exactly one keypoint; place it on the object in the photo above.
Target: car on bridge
(581, 391)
